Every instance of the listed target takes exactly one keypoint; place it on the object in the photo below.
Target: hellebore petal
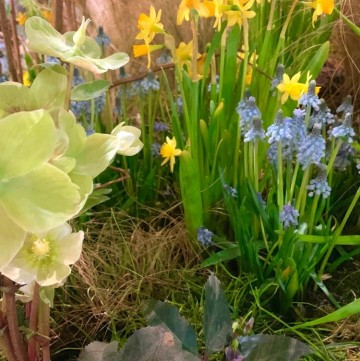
(41, 199)
(48, 90)
(80, 35)
(101, 147)
(11, 238)
(128, 136)
(85, 184)
(75, 132)
(44, 39)
(45, 257)
(72, 47)
(14, 97)
(27, 142)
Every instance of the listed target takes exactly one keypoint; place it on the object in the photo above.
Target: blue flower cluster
(231, 191)
(289, 216)
(312, 148)
(256, 132)
(164, 58)
(310, 98)
(204, 236)
(102, 39)
(344, 130)
(247, 110)
(319, 185)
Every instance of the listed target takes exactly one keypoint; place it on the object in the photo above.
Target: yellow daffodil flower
(26, 79)
(145, 49)
(186, 6)
(149, 25)
(169, 152)
(291, 88)
(243, 12)
(216, 8)
(183, 54)
(21, 18)
(47, 15)
(320, 7)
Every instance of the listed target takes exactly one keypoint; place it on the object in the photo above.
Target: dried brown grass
(125, 261)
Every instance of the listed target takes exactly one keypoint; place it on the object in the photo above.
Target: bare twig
(5, 27)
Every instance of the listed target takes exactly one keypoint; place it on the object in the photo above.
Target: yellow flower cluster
(234, 11)
(149, 26)
(46, 14)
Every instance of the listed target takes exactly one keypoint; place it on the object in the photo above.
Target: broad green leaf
(272, 347)
(190, 192)
(41, 199)
(317, 62)
(48, 90)
(217, 320)
(350, 309)
(11, 238)
(98, 153)
(100, 351)
(75, 132)
(163, 314)
(27, 141)
(222, 256)
(91, 90)
(154, 343)
(98, 196)
(14, 97)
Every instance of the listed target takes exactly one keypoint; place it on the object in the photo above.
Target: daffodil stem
(12, 320)
(68, 88)
(33, 324)
(194, 24)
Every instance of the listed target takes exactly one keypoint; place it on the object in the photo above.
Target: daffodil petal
(101, 147)
(41, 199)
(11, 238)
(27, 141)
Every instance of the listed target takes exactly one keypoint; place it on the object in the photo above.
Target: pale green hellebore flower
(46, 92)
(35, 196)
(72, 47)
(46, 257)
(128, 136)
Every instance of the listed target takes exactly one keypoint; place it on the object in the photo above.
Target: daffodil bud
(80, 36)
